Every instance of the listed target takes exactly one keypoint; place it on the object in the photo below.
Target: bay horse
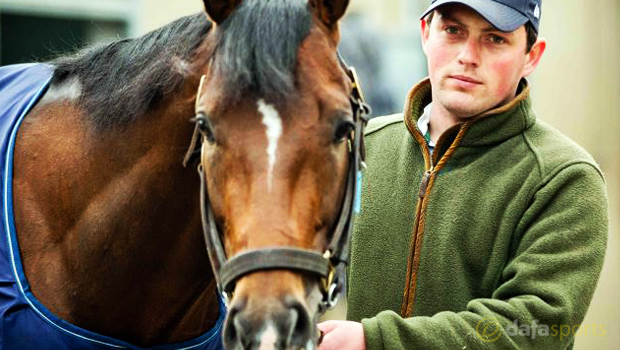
(110, 225)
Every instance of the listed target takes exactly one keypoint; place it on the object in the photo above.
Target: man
(481, 226)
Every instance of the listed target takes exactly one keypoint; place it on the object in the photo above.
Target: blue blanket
(24, 322)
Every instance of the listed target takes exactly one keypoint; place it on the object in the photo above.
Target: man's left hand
(342, 335)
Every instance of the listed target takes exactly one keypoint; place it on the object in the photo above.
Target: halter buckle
(330, 285)
(356, 86)
(328, 280)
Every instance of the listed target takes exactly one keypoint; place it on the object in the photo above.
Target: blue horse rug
(24, 322)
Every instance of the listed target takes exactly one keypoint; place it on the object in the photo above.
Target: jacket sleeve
(546, 285)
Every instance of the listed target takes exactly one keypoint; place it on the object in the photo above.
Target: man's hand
(342, 335)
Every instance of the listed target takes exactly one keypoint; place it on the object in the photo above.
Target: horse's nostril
(234, 334)
(299, 323)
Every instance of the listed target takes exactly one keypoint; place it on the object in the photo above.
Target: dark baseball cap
(505, 15)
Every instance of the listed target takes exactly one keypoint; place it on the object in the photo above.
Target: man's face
(473, 66)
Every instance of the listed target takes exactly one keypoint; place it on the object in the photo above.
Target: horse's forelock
(258, 45)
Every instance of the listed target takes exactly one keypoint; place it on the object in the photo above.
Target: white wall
(153, 14)
(577, 89)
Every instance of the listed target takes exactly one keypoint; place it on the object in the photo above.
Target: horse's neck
(109, 226)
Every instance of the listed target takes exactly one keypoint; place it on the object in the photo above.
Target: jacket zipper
(410, 281)
(418, 230)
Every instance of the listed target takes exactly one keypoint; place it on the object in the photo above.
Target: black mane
(256, 53)
(122, 80)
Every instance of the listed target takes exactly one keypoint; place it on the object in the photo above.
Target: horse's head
(277, 123)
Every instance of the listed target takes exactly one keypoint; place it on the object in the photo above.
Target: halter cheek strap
(193, 151)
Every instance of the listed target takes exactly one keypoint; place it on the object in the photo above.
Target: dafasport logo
(490, 329)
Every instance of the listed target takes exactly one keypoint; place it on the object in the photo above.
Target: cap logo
(537, 11)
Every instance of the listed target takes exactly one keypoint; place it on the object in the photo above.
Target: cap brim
(502, 17)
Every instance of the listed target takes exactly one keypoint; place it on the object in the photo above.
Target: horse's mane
(122, 80)
(256, 52)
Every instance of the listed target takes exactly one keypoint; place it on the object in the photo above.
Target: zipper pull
(424, 184)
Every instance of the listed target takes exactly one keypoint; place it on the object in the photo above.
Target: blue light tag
(357, 204)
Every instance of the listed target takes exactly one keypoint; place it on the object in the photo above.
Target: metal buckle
(357, 88)
(329, 286)
(332, 296)
(329, 279)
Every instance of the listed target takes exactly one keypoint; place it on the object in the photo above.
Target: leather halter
(328, 265)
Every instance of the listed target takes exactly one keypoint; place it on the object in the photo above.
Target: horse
(110, 215)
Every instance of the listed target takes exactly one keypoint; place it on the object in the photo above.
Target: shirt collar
(424, 122)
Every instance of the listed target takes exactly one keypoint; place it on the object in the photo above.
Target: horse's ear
(329, 11)
(219, 10)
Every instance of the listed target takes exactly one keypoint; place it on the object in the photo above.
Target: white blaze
(273, 122)
(268, 338)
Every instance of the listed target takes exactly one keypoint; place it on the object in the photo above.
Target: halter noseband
(330, 264)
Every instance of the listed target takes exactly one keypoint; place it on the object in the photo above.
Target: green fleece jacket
(496, 242)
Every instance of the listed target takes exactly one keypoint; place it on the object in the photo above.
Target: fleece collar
(488, 128)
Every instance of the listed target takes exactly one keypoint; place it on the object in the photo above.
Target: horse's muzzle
(276, 324)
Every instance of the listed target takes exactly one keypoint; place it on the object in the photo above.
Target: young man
(481, 226)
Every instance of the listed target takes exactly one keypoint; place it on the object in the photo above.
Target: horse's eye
(205, 127)
(342, 131)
